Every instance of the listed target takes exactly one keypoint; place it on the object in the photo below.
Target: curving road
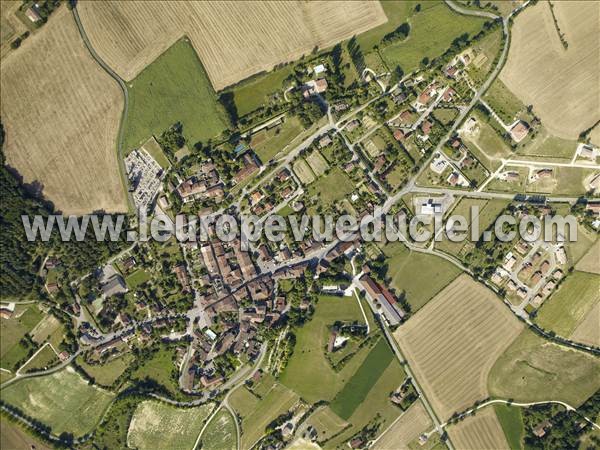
(123, 87)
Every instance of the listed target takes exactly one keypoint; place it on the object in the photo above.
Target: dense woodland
(21, 259)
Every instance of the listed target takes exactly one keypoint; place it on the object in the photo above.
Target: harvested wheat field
(61, 115)
(233, 39)
(411, 424)
(588, 330)
(454, 340)
(479, 432)
(562, 84)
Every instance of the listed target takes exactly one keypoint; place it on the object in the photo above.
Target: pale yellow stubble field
(233, 39)
(61, 115)
(563, 85)
(454, 340)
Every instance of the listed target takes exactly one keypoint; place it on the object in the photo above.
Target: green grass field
(137, 278)
(419, 275)
(332, 187)
(257, 414)
(575, 297)
(356, 389)
(267, 143)
(13, 330)
(220, 433)
(159, 368)
(506, 104)
(253, 93)
(511, 420)
(46, 358)
(62, 400)
(154, 149)
(547, 146)
(534, 369)
(432, 31)
(174, 88)
(157, 425)
(377, 400)
(106, 374)
(308, 372)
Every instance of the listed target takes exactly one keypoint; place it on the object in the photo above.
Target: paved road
(117, 78)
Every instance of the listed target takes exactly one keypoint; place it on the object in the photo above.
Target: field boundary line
(122, 122)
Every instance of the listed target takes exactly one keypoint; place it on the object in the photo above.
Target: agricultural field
(106, 374)
(326, 422)
(332, 188)
(420, 276)
(220, 432)
(12, 436)
(62, 400)
(376, 400)
(44, 358)
(358, 386)
(565, 181)
(562, 84)
(547, 146)
(534, 369)
(255, 91)
(432, 31)
(503, 102)
(308, 372)
(511, 421)
(25, 318)
(588, 331)
(45, 328)
(439, 343)
(234, 41)
(258, 413)
(303, 171)
(410, 425)
(268, 143)
(61, 116)
(174, 88)
(159, 425)
(569, 306)
(590, 262)
(481, 431)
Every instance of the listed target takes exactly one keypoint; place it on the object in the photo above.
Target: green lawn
(432, 32)
(13, 330)
(106, 374)
(157, 425)
(308, 372)
(356, 389)
(547, 146)
(138, 277)
(174, 88)
(62, 400)
(419, 275)
(252, 94)
(576, 296)
(512, 424)
(270, 142)
(332, 187)
(220, 433)
(534, 369)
